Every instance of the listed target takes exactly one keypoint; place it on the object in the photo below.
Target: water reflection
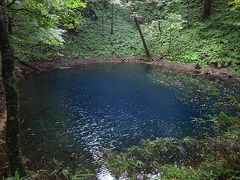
(87, 109)
(105, 174)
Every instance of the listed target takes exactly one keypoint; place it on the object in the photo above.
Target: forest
(120, 89)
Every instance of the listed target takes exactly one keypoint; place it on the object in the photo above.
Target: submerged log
(30, 65)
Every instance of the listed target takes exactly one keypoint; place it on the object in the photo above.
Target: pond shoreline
(34, 67)
(26, 69)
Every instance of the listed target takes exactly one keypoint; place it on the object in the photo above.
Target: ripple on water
(90, 108)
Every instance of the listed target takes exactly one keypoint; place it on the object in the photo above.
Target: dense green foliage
(173, 29)
(38, 26)
(236, 4)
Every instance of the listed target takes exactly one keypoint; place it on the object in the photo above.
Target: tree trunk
(159, 20)
(102, 16)
(112, 12)
(188, 13)
(12, 104)
(142, 37)
(10, 28)
(207, 9)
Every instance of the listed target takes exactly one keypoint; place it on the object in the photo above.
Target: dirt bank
(24, 70)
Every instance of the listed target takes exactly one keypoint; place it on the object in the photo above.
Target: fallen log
(30, 65)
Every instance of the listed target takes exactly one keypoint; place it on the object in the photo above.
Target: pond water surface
(86, 109)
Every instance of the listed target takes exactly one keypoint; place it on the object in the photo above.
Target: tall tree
(207, 4)
(47, 15)
(112, 4)
(112, 14)
(136, 19)
(147, 52)
(11, 92)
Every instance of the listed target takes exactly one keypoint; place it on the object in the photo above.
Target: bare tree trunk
(142, 37)
(102, 15)
(207, 9)
(188, 13)
(10, 28)
(10, 85)
(112, 12)
(159, 20)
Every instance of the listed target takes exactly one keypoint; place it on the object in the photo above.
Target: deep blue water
(89, 108)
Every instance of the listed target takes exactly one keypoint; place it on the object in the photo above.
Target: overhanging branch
(30, 12)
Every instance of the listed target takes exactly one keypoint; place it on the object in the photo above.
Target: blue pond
(86, 109)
